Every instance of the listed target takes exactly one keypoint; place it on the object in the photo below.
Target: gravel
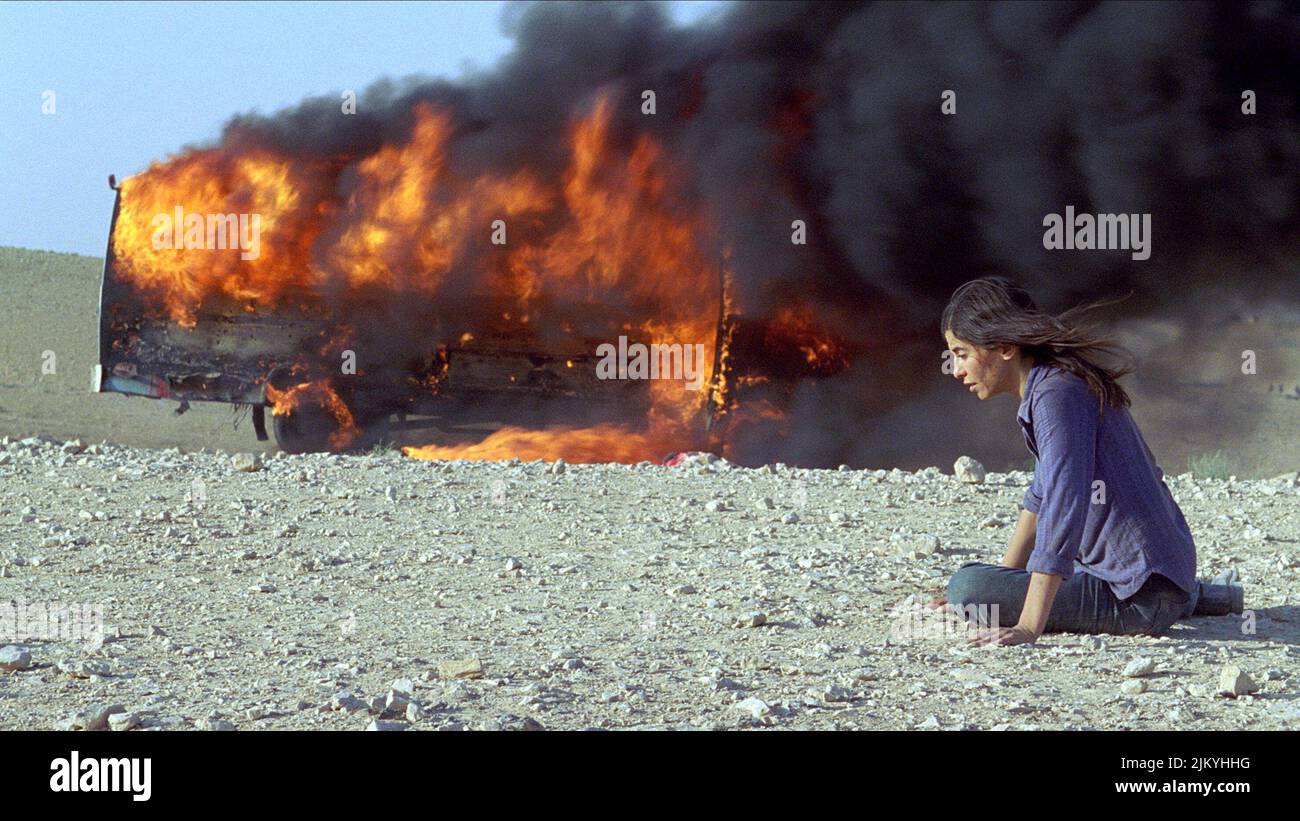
(498, 596)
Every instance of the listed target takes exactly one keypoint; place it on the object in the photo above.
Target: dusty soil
(600, 596)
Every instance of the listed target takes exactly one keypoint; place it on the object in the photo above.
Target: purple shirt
(1099, 495)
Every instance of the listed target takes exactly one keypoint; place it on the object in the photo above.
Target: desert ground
(320, 591)
(243, 589)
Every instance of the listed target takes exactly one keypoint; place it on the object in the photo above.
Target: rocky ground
(344, 592)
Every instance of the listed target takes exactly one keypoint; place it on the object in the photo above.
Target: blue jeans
(1083, 603)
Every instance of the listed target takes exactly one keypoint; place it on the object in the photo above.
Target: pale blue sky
(134, 82)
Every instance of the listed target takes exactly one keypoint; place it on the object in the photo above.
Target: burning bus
(365, 292)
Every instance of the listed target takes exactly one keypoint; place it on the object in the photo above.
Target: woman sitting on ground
(1101, 546)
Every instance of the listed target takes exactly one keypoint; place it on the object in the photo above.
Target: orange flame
(285, 402)
(823, 352)
(612, 230)
(208, 185)
(599, 443)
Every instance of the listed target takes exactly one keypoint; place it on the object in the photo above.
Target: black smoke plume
(830, 113)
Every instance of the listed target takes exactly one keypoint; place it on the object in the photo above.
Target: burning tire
(309, 414)
(310, 428)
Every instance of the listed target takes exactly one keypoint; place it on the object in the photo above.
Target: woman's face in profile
(982, 369)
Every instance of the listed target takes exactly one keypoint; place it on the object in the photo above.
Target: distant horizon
(100, 255)
(117, 109)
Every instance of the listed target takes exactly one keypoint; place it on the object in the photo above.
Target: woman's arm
(1065, 427)
(1033, 618)
(1065, 424)
(1022, 541)
(1065, 420)
(1038, 602)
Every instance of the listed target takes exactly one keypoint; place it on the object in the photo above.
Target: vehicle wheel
(306, 430)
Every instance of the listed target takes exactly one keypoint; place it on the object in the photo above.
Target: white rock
(14, 658)
(386, 726)
(121, 722)
(1133, 686)
(247, 462)
(1141, 666)
(394, 704)
(926, 544)
(967, 469)
(216, 725)
(403, 685)
(460, 668)
(756, 707)
(94, 717)
(835, 694)
(347, 701)
(1234, 682)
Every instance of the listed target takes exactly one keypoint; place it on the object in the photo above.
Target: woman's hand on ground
(938, 603)
(1003, 636)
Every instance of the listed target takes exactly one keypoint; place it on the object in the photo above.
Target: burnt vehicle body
(449, 380)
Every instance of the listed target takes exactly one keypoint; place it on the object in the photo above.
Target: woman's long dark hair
(996, 311)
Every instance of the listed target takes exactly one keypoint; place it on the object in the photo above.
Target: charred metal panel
(224, 358)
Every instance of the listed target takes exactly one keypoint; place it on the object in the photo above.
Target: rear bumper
(160, 387)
